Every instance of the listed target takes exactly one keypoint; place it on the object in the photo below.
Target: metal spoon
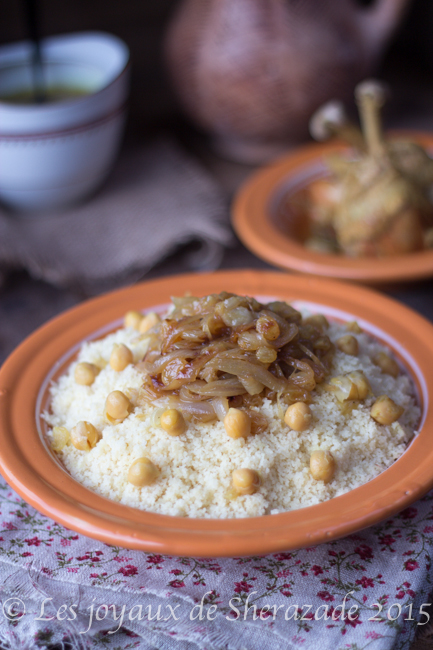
(32, 8)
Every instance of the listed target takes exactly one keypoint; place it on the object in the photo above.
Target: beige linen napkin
(156, 199)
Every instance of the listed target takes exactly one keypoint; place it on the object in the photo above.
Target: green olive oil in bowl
(54, 94)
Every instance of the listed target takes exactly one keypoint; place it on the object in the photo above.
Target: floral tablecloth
(369, 590)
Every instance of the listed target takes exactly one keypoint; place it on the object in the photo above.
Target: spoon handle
(33, 26)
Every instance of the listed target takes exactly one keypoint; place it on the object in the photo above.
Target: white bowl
(55, 154)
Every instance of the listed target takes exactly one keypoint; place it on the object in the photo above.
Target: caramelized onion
(220, 388)
(246, 369)
(288, 331)
(202, 411)
(221, 407)
(303, 376)
(224, 347)
(252, 385)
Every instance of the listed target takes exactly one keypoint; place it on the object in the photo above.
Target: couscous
(229, 408)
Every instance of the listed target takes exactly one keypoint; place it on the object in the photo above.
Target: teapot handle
(377, 23)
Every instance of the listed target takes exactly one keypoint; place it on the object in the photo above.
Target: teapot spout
(376, 24)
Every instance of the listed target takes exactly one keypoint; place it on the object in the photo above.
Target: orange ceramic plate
(258, 222)
(33, 471)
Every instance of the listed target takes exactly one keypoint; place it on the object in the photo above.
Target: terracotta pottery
(261, 224)
(251, 72)
(33, 470)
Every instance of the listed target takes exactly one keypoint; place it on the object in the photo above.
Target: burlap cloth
(156, 199)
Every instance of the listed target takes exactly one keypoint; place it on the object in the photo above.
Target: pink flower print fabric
(370, 590)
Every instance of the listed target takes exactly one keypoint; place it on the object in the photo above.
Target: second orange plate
(259, 224)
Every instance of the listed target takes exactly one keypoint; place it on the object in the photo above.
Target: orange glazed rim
(29, 466)
(255, 220)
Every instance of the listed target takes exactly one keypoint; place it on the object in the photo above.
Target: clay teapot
(251, 72)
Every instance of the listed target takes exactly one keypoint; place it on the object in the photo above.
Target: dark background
(408, 63)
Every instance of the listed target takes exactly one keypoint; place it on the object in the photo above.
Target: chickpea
(133, 319)
(348, 344)
(298, 416)
(84, 436)
(150, 320)
(142, 472)
(237, 423)
(173, 422)
(245, 481)
(322, 465)
(385, 410)
(266, 355)
(353, 326)
(60, 439)
(85, 373)
(117, 406)
(121, 357)
(387, 364)
(268, 328)
(318, 320)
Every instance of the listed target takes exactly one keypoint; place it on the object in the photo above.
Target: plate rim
(253, 223)
(29, 468)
